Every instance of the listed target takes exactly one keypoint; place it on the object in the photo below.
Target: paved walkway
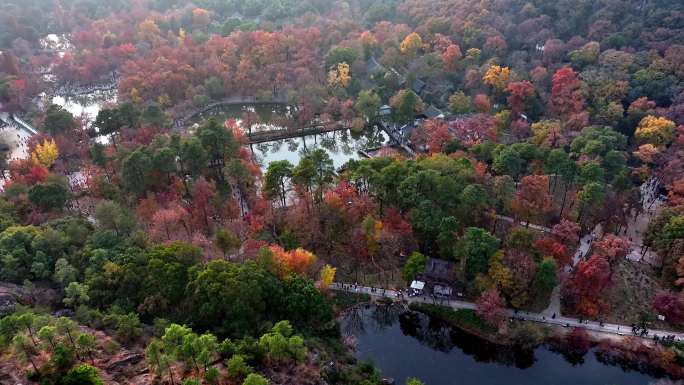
(635, 229)
(637, 225)
(616, 329)
(554, 302)
(524, 224)
(229, 101)
(582, 250)
(16, 136)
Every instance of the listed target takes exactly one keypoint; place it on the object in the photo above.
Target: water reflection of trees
(353, 321)
(371, 319)
(358, 319)
(90, 99)
(292, 145)
(328, 142)
(615, 358)
(385, 315)
(440, 336)
(573, 356)
(418, 325)
(342, 142)
(437, 335)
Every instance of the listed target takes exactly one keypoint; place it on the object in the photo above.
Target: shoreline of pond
(487, 346)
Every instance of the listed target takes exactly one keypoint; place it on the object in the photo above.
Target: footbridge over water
(215, 107)
(269, 133)
(17, 123)
(280, 133)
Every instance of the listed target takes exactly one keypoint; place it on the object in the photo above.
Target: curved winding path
(226, 102)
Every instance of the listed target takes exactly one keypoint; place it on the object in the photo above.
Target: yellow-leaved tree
(164, 100)
(497, 76)
(500, 274)
(411, 44)
(547, 133)
(149, 31)
(339, 75)
(327, 276)
(45, 153)
(135, 95)
(655, 130)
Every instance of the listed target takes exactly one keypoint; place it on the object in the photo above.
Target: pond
(406, 344)
(257, 113)
(340, 145)
(58, 43)
(87, 105)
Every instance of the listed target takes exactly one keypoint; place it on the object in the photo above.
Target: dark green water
(404, 345)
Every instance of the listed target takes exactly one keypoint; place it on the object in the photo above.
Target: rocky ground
(117, 365)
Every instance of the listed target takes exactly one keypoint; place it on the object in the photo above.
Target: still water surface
(341, 146)
(404, 345)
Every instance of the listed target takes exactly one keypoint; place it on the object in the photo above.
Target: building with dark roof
(418, 86)
(440, 270)
(433, 112)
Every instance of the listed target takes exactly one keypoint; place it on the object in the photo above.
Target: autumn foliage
(520, 92)
(45, 153)
(612, 247)
(297, 261)
(567, 97)
(582, 290)
(532, 199)
(490, 307)
(433, 134)
(552, 248)
(670, 305)
(497, 77)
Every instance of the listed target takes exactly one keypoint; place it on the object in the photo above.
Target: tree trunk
(158, 366)
(33, 339)
(187, 229)
(35, 368)
(206, 216)
(565, 194)
(185, 180)
(194, 362)
(109, 178)
(73, 344)
(282, 191)
(171, 376)
(52, 344)
(112, 136)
